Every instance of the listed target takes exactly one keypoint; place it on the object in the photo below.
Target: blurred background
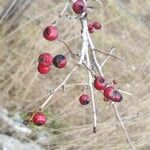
(125, 23)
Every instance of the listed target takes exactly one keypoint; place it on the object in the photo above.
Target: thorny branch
(85, 60)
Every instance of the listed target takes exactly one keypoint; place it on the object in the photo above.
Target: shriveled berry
(115, 81)
(79, 7)
(117, 96)
(84, 99)
(45, 59)
(43, 69)
(97, 25)
(39, 119)
(100, 83)
(109, 93)
(59, 61)
(50, 33)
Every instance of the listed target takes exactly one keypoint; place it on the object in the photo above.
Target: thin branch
(83, 21)
(125, 92)
(57, 88)
(64, 9)
(108, 54)
(111, 51)
(94, 54)
(92, 94)
(122, 124)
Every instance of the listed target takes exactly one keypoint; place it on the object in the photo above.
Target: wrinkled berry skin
(45, 59)
(39, 119)
(97, 25)
(50, 33)
(117, 96)
(112, 94)
(59, 61)
(84, 99)
(108, 93)
(100, 83)
(79, 7)
(43, 69)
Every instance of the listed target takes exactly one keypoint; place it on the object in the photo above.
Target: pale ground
(125, 23)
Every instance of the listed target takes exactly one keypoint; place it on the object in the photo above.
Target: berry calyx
(39, 119)
(45, 59)
(97, 25)
(84, 99)
(100, 83)
(59, 61)
(79, 7)
(50, 33)
(43, 69)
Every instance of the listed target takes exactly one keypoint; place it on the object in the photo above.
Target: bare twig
(122, 124)
(94, 54)
(125, 92)
(108, 54)
(83, 21)
(92, 94)
(58, 87)
(111, 51)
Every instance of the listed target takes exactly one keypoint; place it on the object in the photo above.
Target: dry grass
(125, 23)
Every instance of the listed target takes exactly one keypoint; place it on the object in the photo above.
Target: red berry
(39, 119)
(100, 83)
(79, 7)
(112, 94)
(90, 26)
(43, 69)
(96, 25)
(59, 61)
(117, 96)
(91, 30)
(50, 33)
(45, 59)
(108, 93)
(84, 99)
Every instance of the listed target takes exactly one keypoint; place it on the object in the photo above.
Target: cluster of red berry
(109, 91)
(94, 25)
(45, 59)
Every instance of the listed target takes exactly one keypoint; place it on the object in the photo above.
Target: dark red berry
(79, 7)
(43, 69)
(39, 119)
(117, 96)
(50, 33)
(108, 93)
(45, 59)
(84, 99)
(112, 94)
(59, 61)
(90, 26)
(96, 25)
(100, 83)
(91, 30)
